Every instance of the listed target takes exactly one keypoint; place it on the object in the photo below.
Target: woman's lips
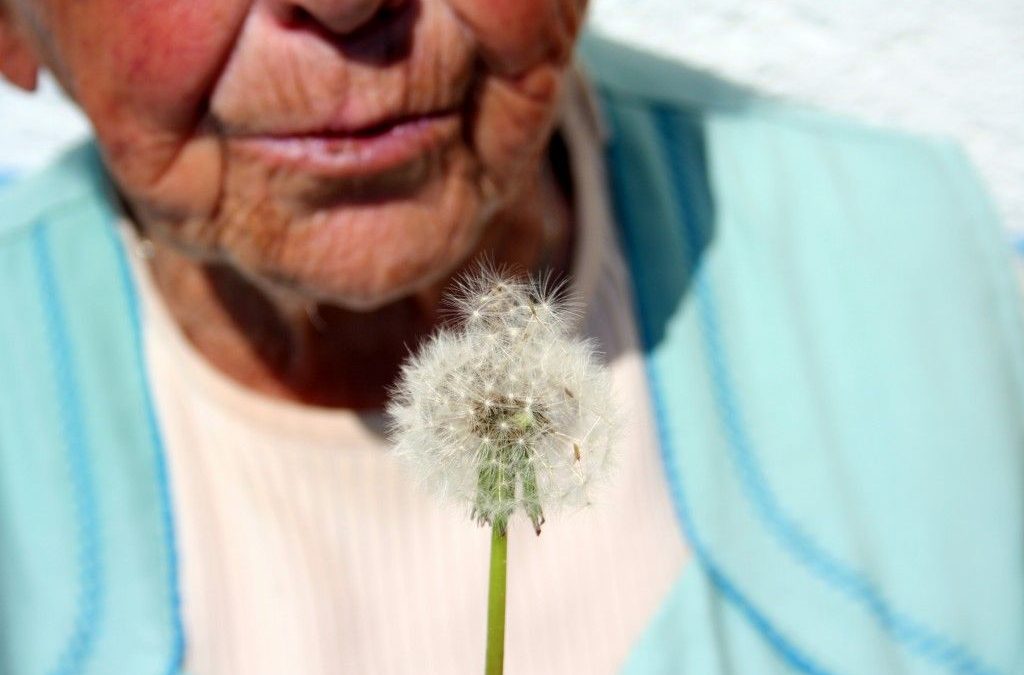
(362, 153)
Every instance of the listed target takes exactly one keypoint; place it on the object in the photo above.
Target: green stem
(496, 602)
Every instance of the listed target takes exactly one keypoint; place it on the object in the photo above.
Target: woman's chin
(344, 249)
(363, 263)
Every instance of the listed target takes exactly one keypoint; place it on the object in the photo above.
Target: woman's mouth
(359, 153)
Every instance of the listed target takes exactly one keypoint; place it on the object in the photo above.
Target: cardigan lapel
(831, 358)
(89, 574)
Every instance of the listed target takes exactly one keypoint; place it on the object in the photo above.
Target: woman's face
(350, 150)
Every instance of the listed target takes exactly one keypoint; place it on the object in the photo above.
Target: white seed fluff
(506, 412)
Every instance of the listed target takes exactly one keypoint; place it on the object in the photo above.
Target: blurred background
(945, 67)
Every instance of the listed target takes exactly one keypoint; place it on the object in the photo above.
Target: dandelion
(506, 412)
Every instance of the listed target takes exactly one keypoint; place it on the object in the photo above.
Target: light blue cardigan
(834, 342)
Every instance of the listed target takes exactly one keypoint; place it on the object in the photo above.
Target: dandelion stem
(495, 663)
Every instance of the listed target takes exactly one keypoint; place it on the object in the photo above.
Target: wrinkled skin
(298, 281)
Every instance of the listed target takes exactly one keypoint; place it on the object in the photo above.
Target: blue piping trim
(904, 629)
(166, 514)
(790, 654)
(79, 644)
(760, 622)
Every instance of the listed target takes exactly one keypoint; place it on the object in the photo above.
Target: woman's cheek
(516, 35)
(515, 117)
(147, 96)
(171, 55)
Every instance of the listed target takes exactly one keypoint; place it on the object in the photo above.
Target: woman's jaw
(346, 154)
(352, 182)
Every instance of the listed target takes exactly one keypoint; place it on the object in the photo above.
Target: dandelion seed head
(506, 411)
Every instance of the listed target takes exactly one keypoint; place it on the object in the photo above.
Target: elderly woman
(812, 329)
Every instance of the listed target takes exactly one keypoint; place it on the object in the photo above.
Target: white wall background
(950, 67)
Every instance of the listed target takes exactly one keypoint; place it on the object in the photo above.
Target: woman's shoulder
(835, 341)
(628, 75)
(72, 181)
(787, 174)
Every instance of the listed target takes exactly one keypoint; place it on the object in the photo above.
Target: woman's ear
(18, 61)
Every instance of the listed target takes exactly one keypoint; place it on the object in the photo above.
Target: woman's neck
(325, 355)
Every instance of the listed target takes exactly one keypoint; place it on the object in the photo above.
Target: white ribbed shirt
(305, 548)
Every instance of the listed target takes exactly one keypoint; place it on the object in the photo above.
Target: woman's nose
(338, 16)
